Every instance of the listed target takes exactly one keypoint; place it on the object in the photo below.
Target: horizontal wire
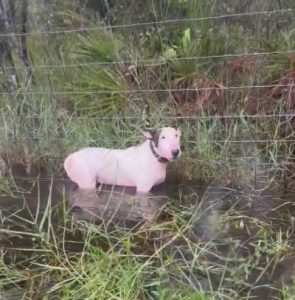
(149, 62)
(231, 157)
(196, 117)
(61, 178)
(207, 141)
(244, 141)
(173, 21)
(227, 160)
(219, 88)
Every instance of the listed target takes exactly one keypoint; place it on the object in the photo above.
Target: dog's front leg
(143, 188)
(143, 196)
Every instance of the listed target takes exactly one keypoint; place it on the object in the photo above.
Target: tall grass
(202, 250)
(224, 243)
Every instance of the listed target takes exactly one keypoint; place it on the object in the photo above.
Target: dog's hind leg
(87, 183)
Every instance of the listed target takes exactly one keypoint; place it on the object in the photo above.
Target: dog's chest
(156, 173)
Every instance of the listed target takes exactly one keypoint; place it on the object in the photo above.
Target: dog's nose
(175, 152)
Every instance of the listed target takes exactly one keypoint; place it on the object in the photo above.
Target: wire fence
(280, 118)
(159, 22)
(172, 90)
(151, 62)
(197, 117)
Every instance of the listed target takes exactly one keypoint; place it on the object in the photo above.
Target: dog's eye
(163, 137)
(176, 135)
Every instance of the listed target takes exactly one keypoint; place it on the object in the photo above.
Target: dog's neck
(160, 159)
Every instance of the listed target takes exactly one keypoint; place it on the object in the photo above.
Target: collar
(160, 159)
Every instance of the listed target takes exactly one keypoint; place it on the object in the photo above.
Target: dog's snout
(175, 152)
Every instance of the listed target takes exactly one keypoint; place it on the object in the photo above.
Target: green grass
(225, 243)
(201, 251)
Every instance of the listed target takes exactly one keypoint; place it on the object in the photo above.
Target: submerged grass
(208, 246)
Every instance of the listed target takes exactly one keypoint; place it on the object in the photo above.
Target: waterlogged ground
(186, 240)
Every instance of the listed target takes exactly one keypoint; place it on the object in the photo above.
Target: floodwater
(232, 218)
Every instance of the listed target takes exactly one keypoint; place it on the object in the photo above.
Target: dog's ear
(152, 135)
(156, 135)
(148, 134)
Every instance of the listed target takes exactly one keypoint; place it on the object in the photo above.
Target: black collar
(160, 159)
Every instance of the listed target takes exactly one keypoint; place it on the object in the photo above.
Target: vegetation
(228, 82)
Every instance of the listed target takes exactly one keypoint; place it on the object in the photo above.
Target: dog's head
(166, 142)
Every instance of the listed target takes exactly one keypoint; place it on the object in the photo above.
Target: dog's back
(88, 165)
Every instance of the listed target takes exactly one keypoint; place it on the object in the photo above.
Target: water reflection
(116, 203)
(240, 226)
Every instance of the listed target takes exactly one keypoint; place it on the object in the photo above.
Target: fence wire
(278, 164)
(151, 62)
(194, 117)
(172, 90)
(160, 22)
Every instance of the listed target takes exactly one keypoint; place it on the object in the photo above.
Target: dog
(141, 166)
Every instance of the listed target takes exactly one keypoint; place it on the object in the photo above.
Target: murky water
(234, 219)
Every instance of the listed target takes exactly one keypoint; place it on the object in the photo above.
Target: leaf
(186, 40)
(241, 225)
(170, 53)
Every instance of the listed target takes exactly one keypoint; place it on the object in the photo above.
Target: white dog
(142, 166)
